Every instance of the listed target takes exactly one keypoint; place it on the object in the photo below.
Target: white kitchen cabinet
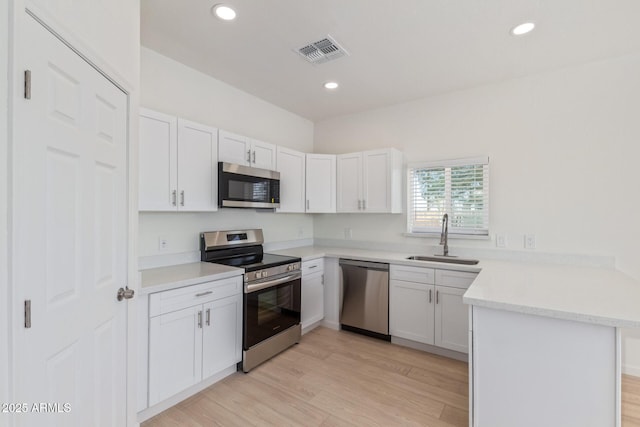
(320, 183)
(312, 305)
(426, 306)
(194, 333)
(370, 181)
(241, 150)
(291, 165)
(178, 164)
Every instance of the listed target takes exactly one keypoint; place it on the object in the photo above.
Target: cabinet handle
(173, 197)
(200, 319)
(208, 316)
(254, 157)
(322, 280)
(364, 205)
(201, 294)
(312, 266)
(249, 156)
(429, 296)
(182, 198)
(437, 296)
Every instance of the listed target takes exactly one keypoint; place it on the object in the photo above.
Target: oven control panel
(265, 273)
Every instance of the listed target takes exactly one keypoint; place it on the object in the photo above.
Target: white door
(158, 184)
(263, 155)
(411, 307)
(452, 319)
(197, 167)
(233, 148)
(175, 352)
(291, 165)
(376, 181)
(221, 334)
(312, 299)
(321, 183)
(349, 192)
(70, 241)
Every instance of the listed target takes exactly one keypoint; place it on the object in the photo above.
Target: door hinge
(27, 84)
(27, 314)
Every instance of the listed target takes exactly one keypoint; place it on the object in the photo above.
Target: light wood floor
(337, 378)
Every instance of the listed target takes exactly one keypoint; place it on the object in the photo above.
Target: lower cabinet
(425, 305)
(312, 304)
(194, 333)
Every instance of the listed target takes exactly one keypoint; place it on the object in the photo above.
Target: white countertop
(175, 276)
(586, 294)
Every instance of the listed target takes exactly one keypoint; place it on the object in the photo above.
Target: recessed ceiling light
(224, 12)
(523, 28)
(331, 85)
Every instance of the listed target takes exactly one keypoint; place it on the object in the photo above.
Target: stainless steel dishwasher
(365, 297)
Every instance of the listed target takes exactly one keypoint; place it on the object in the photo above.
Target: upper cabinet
(370, 181)
(291, 165)
(321, 183)
(241, 150)
(178, 164)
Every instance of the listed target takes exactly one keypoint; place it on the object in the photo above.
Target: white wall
(564, 149)
(173, 88)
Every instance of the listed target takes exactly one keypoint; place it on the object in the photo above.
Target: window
(459, 188)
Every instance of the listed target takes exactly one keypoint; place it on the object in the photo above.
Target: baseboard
(311, 327)
(177, 398)
(631, 370)
(430, 349)
(331, 325)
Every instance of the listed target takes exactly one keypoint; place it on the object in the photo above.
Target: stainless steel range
(271, 312)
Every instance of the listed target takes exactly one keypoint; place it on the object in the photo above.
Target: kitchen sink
(441, 258)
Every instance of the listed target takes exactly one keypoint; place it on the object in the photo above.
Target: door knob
(125, 293)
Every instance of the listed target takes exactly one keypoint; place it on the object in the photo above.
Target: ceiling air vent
(322, 51)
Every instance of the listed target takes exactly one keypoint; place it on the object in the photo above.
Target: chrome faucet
(444, 235)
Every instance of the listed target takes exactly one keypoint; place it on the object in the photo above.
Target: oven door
(270, 309)
(245, 187)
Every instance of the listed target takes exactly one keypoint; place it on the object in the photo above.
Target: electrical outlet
(529, 241)
(501, 240)
(163, 243)
(347, 233)
(300, 232)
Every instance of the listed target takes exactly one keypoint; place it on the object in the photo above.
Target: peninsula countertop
(586, 294)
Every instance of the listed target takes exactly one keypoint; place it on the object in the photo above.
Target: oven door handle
(249, 288)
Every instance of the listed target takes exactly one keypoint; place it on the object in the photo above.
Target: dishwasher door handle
(364, 264)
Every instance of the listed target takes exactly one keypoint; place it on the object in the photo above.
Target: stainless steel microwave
(246, 187)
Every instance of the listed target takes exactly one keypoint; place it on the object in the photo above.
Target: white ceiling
(400, 49)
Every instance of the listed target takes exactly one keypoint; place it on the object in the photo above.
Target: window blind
(459, 188)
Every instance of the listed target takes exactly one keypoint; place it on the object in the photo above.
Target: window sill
(450, 236)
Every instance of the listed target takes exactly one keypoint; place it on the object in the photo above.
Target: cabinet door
(321, 183)
(197, 167)
(291, 165)
(312, 304)
(263, 155)
(452, 319)
(376, 180)
(222, 335)
(175, 353)
(157, 164)
(411, 308)
(233, 148)
(349, 183)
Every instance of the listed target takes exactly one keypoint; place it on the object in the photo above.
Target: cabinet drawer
(412, 274)
(313, 266)
(455, 279)
(177, 299)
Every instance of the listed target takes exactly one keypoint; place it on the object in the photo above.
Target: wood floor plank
(335, 378)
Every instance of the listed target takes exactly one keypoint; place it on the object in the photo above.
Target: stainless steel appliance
(365, 298)
(272, 284)
(246, 187)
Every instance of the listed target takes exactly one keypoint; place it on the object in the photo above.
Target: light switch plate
(347, 233)
(501, 241)
(529, 241)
